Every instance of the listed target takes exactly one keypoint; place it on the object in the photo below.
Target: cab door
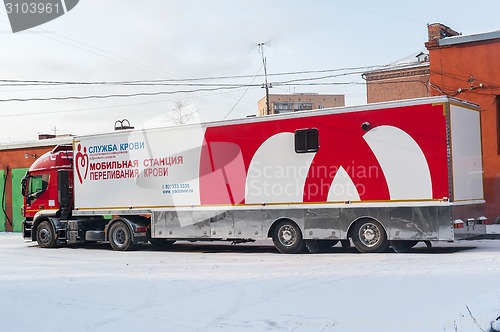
(37, 194)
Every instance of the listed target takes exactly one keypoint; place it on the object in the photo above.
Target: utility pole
(266, 86)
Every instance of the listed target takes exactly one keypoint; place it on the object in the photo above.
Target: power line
(117, 95)
(242, 94)
(12, 82)
(189, 82)
(214, 88)
(93, 108)
(169, 100)
(200, 87)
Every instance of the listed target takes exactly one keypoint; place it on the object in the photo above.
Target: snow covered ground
(214, 287)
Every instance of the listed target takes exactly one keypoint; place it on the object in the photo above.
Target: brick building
(468, 67)
(465, 67)
(15, 159)
(285, 103)
(405, 79)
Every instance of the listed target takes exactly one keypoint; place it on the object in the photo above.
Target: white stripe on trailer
(403, 163)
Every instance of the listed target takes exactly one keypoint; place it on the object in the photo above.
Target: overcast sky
(123, 40)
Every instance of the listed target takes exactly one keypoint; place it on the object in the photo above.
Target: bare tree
(181, 113)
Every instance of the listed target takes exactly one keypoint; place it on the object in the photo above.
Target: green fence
(3, 218)
(17, 199)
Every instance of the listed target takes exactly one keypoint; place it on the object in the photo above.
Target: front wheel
(45, 235)
(287, 237)
(120, 237)
(369, 236)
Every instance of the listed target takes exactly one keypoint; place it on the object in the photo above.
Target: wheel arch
(132, 223)
(40, 217)
(36, 223)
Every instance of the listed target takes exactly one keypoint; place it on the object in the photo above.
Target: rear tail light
(482, 221)
(458, 223)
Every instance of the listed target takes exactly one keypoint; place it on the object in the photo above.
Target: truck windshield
(37, 185)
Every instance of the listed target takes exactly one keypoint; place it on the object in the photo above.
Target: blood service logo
(82, 163)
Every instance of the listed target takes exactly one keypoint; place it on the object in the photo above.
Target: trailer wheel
(369, 236)
(120, 237)
(45, 235)
(287, 237)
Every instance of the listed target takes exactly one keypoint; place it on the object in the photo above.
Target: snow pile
(248, 287)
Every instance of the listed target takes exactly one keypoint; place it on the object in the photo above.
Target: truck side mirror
(23, 186)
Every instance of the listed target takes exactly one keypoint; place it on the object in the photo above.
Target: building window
(306, 140)
(282, 107)
(306, 106)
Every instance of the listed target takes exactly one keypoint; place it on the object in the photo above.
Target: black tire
(161, 243)
(287, 237)
(120, 237)
(401, 246)
(45, 235)
(369, 236)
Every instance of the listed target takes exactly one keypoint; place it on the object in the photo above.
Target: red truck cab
(49, 202)
(48, 187)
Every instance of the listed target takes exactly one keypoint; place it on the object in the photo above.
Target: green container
(17, 199)
(3, 218)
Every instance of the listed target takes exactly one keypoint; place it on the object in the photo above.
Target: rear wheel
(287, 237)
(120, 237)
(45, 235)
(369, 236)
